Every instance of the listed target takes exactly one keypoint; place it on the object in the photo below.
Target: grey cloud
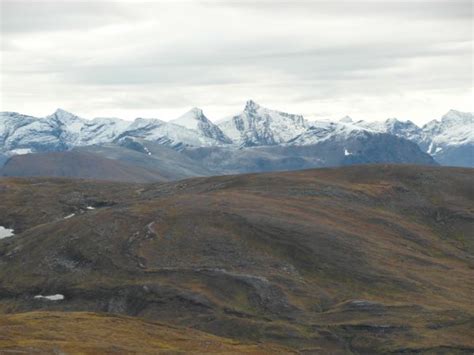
(21, 16)
(175, 54)
(364, 8)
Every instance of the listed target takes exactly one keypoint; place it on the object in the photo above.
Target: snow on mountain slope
(450, 140)
(76, 131)
(404, 129)
(167, 133)
(195, 120)
(19, 131)
(257, 125)
(63, 130)
(102, 130)
(320, 131)
(455, 128)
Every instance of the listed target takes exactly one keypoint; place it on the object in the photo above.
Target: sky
(370, 59)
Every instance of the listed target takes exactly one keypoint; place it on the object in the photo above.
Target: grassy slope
(359, 259)
(89, 333)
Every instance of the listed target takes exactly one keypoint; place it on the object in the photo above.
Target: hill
(362, 259)
(76, 164)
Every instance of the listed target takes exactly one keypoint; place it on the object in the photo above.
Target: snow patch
(90, 208)
(146, 150)
(346, 152)
(21, 151)
(430, 148)
(69, 216)
(57, 297)
(5, 232)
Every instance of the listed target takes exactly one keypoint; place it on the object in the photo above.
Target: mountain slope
(165, 133)
(332, 150)
(364, 259)
(170, 163)
(75, 164)
(90, 333)
(451, 140)
(27, 133)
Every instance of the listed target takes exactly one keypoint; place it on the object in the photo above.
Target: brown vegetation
(353, 260)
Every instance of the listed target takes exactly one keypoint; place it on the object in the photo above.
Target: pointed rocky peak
(66, 118)
(197, 114)
(196, 111)
(251, 106)
(60, 113)
(192, 118)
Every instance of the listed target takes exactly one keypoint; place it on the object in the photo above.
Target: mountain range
(257, 139)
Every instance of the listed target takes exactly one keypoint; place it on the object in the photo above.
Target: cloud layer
(324, 59)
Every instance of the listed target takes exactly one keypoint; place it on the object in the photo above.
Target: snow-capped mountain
(75, 131)
(405, 129)
(320, 131)
(257, 125)
(62, 130)
(454, 129)
(195, 120)
(168, 134)
(449, 140)
(22, 134)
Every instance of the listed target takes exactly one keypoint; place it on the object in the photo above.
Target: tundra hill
(361, 259)
(90, 333)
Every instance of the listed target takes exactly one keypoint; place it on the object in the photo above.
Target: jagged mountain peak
(257, 125)
(251, 105)
(63, 115)
(197, 111)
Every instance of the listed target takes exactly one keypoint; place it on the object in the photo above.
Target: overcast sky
(323, 59)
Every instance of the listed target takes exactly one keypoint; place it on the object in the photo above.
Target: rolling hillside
(362, 259)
